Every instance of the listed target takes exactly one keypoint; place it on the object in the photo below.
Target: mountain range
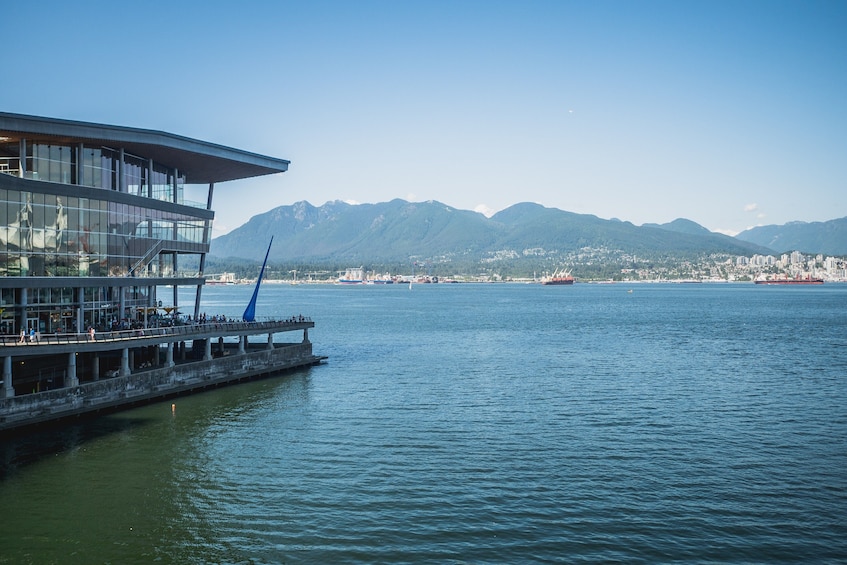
(399, 232)
(828, 238)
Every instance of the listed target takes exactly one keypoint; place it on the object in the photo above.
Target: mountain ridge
(829, 238)
(400, 231)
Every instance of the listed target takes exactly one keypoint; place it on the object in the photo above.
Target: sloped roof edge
(201, 161)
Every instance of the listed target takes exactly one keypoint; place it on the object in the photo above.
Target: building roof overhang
(201, 161)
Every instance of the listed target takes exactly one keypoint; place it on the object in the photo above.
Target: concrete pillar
(221, 345)
(7, 391)
(270, 341)
(169, 355)
(95, 367)
(22, 302)
(72, 379)
(207, 354)
(182, 351)
(121, 302)
(305, 335)
(242, 345)
(131, 360)
(124, 371)
(80, 314)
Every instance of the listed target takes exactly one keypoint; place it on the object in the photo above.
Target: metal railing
(10, 166)
(187, 330)
(145, 260)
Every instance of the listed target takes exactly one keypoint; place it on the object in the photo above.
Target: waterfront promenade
(157, 335)
(57, 376)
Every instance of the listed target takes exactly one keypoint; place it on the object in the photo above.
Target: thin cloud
(751, 207)
(484, 210)
(731, 233)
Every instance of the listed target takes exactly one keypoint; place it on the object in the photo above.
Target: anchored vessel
(786, 280)
(93, 219)
(354, 275)
(560, 277)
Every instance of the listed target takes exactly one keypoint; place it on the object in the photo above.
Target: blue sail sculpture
(250, 311)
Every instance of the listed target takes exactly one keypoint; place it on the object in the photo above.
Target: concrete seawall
(150, 385)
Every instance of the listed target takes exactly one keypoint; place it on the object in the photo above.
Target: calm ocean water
(474, 424)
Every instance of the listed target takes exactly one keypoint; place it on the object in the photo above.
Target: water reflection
(130, 485)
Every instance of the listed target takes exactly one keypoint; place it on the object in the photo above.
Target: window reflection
(49, 235)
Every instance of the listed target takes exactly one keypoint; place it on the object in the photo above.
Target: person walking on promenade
(23, 336)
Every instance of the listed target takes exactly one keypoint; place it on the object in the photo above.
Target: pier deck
(116, 370)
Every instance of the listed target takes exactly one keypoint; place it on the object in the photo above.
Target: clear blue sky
(728, 113)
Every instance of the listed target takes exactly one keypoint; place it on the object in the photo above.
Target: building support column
(149, 178)
(242, 345)
(121, 302)
(176, 287)
(175, 186)
(80, 156)
(21, 315)
(199, 290)
(122, 186)
(270, 341)
(305, 335)
(22, 159)
(169, 355)
(95, 367)
(80, 310)
(207, 354)
(71, 380)
(8, 390)
(124, 370)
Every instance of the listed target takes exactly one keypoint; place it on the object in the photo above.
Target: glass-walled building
(93, 219)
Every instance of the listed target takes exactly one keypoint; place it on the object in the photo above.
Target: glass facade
(47, 235)
(97, 167)
(43, 234)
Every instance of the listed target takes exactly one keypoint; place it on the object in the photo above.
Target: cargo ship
(558, 278)
(353, 276)
(786, 280)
